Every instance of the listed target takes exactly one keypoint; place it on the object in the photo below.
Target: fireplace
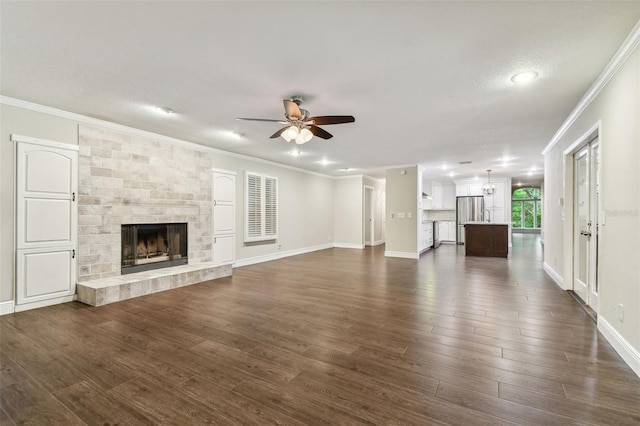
(153, 246)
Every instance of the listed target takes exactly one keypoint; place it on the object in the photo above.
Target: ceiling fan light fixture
(305, 135)
(290, 134)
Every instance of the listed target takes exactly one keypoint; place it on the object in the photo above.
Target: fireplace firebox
(153, 246)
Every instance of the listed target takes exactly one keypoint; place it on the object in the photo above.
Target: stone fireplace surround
(125, 179)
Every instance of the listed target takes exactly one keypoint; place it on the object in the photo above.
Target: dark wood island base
(486, 239)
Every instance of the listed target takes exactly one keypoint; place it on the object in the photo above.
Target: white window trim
(262, 235)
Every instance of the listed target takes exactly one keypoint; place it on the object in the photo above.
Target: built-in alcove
(153, 246)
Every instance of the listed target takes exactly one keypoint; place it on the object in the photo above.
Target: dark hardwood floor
(333, 337)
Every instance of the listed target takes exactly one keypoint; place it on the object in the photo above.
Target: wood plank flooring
(334, 337)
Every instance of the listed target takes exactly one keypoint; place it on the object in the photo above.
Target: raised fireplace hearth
(152, 246)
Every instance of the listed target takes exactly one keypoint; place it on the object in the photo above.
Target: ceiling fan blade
(278, 133)
(320, 132)
(292, 110)
(331, 119)
(260, 119)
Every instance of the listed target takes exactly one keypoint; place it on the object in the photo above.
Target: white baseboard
(279, 255)
(402, 254)
(7, 307)
(348, 245)
(379, 242)
(43, 303)
(554, 275)
(630, 354)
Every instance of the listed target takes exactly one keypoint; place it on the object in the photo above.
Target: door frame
(372, 216)
(567, 202)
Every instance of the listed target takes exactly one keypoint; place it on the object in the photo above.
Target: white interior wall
(615, 111)
(305, 201)
(348, 212)
(402, 199)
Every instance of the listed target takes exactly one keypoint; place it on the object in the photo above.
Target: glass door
(585, 224)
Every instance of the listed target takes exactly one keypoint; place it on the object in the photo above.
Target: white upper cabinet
(468, 189)
(443, 196)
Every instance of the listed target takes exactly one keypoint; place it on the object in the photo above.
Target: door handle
(585, 233)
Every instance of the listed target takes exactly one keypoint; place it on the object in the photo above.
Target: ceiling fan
(299, 126)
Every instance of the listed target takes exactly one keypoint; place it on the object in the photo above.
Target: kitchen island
(486, 239)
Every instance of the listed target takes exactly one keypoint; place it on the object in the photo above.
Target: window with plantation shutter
(261, 210)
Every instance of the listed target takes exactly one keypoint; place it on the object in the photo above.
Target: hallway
(338, 336)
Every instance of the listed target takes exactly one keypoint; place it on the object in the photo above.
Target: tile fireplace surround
(126, 179)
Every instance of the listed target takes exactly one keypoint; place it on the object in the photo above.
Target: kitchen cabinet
(426, 235)
(447, 230)
(443, 196)
(468, 189)
(486, 239)
(495, 203)
(436, 195)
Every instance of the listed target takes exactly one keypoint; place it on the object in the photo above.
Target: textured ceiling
(428, 82)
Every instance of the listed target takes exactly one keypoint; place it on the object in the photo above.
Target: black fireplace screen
(153, 246)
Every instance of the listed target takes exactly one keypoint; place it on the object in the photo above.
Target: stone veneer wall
(127, 179)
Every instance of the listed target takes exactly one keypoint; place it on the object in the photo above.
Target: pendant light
(488, 188)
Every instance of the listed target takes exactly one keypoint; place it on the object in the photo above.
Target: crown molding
(83, 119)
(627, 48)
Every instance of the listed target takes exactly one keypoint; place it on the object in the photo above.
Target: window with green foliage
(526, 208)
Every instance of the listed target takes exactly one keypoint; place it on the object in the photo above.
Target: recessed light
(295, 152)
(451, 174)
(324, 162)
(230, 134)
(165, 110)
(523, 77)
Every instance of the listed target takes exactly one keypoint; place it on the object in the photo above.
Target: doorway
(368, 216)
(586, 226)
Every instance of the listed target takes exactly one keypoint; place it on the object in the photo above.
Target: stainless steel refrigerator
(468, 209)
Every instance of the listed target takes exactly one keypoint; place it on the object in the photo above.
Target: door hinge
(73, 196)
(73, 254)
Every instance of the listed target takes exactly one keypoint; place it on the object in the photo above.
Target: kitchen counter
(486, 239)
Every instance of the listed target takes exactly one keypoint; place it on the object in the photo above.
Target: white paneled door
(46, 219)
(224, 216)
